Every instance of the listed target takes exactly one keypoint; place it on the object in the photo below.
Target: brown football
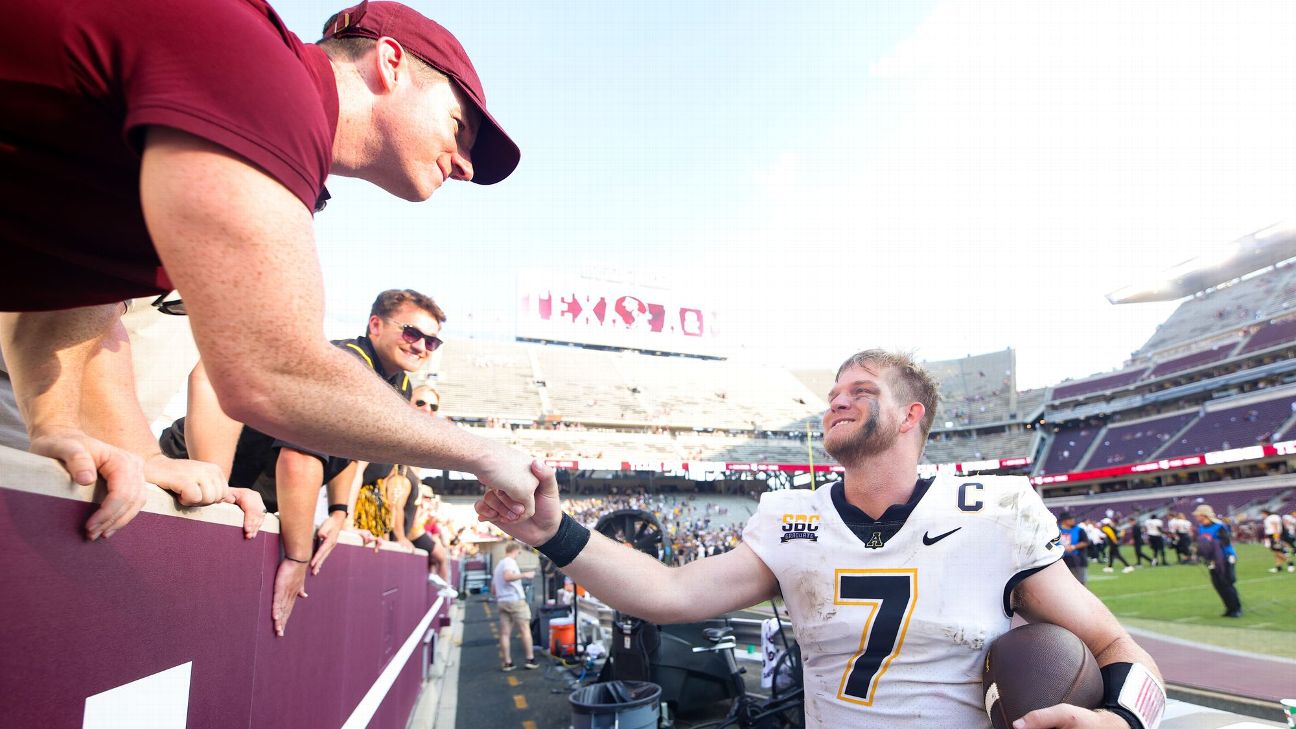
(1036, 666)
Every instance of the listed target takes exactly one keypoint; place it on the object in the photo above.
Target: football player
(1274, 539)
(895, 585)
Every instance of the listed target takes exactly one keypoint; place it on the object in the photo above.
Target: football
(1036, 666)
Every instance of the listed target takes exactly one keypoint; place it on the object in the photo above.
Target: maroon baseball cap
(494, 155)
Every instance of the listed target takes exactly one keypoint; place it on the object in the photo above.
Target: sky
(949, 177)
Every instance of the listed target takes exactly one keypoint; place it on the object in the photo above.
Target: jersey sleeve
(762, 530)
(1036, 537)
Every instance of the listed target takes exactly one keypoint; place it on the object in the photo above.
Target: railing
(168, 624)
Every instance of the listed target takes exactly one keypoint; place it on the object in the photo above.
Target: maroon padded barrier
(79, 618)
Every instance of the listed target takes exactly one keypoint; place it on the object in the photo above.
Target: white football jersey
(894, 623)
(1273, 526)
(1153, 527)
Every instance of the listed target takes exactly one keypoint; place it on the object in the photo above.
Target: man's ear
(389, 58)
(375, 325)
(913, 417)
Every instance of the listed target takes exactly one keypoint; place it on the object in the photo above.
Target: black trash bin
(620, 704)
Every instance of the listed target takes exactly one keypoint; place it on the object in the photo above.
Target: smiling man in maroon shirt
(146, 146)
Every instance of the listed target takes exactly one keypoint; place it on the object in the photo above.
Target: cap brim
(494, 154)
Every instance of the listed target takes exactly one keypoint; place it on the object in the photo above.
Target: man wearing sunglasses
(400, 334)
(200, 134)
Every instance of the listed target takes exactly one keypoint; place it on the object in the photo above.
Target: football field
(1178, 601)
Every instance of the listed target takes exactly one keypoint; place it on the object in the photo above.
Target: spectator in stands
(224, 148)
(1215, 550)
(400, 334)
(1075, 546)
(510, 598)
(1156, 538)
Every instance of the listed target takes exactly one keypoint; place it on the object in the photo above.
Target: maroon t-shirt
(81, 80)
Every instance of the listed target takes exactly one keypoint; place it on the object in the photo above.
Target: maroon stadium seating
(1137, 442)
(1282, 332)
(1236, 427)
(1069, 445)
(1196, 359)
(1076, 389)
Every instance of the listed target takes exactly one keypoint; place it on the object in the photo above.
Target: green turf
(1178, 601)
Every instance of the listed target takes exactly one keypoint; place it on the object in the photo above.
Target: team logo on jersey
(876, 541)
(1054, 543)
(800, 526)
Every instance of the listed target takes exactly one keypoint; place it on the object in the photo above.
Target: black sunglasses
(174, 307)
(412, 334)
(427, 404)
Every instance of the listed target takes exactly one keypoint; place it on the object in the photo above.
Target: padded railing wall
(167, 623)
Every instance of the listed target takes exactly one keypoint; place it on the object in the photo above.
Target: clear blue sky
(951, 177)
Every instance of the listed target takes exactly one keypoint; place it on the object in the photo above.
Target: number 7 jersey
(894, 615)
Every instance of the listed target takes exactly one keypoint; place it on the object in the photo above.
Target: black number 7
(890, 596)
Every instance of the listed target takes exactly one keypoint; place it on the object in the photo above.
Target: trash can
(620, 704)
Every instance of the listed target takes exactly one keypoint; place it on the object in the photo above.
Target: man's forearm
(46, 353)
(298, 478)
(332, 403)
(635, 583)
(210, 434)
(110, 408)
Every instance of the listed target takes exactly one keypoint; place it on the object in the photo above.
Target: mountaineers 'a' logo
(875, 541)
(800, 526)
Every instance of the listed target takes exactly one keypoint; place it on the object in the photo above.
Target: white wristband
(1142, 696)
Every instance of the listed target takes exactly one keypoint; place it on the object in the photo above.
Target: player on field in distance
(1075, 546)
(1155, 529)
(1274, 540)
(895, 584)
(1111, 536)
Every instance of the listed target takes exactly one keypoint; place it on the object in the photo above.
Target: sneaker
(1108, 569)
(531, 664)
(1291, 568)
(1233, 614)
(506, 667)
(1127, 570)
(1274, 570)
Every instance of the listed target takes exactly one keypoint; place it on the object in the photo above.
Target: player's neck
(875, 483)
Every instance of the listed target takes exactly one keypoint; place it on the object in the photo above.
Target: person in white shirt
(510, 598)
(896, 585)
(1273, 540)
(1155, 530)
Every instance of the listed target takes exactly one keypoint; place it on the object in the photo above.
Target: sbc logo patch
(800, 526)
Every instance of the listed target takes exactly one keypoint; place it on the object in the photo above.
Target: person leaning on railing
(153, 146)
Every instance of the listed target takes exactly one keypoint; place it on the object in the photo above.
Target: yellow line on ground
(519, 701)
(513, 680)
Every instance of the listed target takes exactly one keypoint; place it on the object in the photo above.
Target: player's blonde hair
(911, 381)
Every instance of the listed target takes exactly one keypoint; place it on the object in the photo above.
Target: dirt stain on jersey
(962, 635)
(822, 604)
(1010, 499)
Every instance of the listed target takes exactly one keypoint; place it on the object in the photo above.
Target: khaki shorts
(516, 610)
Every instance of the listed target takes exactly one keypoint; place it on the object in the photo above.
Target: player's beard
(869, 440)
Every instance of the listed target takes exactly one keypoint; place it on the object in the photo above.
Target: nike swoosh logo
(929, 540)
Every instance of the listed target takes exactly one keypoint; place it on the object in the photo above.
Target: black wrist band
(298, 561)
(566, 543)
(338, 507)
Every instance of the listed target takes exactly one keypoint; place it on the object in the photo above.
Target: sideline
(1143, 632)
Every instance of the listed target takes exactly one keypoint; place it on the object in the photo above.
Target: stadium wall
(167, 624)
